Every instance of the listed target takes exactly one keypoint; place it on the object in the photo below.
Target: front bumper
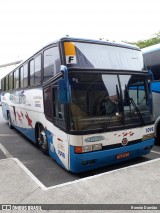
(92, 160)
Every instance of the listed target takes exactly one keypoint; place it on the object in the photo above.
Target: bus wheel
(42, 139)
(9, 121)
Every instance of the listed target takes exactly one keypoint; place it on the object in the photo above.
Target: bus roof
(151, 59)
(150, 49)
(101, 41)
(72, 39)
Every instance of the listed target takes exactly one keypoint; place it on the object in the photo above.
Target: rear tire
(9, 121)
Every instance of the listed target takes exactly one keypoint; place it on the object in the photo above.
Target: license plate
(123, 155)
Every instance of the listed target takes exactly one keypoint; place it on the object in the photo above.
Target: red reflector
(78, 149)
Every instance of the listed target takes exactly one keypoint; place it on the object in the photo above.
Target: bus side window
(51, 63)
(38, 70)
(21, 77)
(31, 68)
(48, 102)
(10, 81)
(6, 82)
(16, 79)
(58, 109)
(25, 75)
(35, 71)
(14, 73)
(3, 84)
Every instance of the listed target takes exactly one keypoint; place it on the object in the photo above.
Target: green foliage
(149, 42)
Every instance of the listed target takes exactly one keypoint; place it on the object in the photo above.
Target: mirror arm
(64, 70)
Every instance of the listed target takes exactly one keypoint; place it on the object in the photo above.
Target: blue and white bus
(152, 62)
(86, 103)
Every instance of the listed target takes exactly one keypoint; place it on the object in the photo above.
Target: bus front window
(101, 101)
(137, 106)
(95, 101)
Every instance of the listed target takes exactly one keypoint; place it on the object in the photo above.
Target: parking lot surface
(28, 176)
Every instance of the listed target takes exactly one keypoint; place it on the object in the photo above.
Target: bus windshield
(108, 100)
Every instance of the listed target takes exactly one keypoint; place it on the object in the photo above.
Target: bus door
(60, 138)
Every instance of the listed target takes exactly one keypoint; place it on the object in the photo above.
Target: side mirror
(63, 92)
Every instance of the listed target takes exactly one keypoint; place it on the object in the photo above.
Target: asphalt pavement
(29, 178)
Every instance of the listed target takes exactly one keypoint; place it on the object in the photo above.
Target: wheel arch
(37, 126)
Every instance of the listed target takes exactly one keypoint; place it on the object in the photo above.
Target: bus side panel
(58, 146)
(29, 133)
(155, 88)
(87, 161)
(25, 108)
(22, 120)
(5, 110)
(5, 105)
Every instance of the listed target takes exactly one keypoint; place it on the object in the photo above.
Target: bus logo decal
(29, 120)
(150, 129)
(71, 59)
(124, 141)
(60, 153)
(94, 139)
(70, 53)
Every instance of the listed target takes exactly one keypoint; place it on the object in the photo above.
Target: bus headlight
(87, 148)
(96, 147)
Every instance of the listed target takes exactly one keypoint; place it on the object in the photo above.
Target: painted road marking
(5, 151)
(30, 174)
(33, 177)
(6, 135)
(105, 173)
(43, 187)
(155, 152)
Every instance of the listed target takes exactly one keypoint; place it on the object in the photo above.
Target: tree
(149, 42)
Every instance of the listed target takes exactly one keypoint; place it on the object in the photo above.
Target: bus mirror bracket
(150, 74)
(63, 87)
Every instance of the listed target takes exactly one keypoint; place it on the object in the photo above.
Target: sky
(28, 25)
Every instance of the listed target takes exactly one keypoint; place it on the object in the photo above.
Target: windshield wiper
(108, 120)
(137, 110)
(115, 109)
(134, 105)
